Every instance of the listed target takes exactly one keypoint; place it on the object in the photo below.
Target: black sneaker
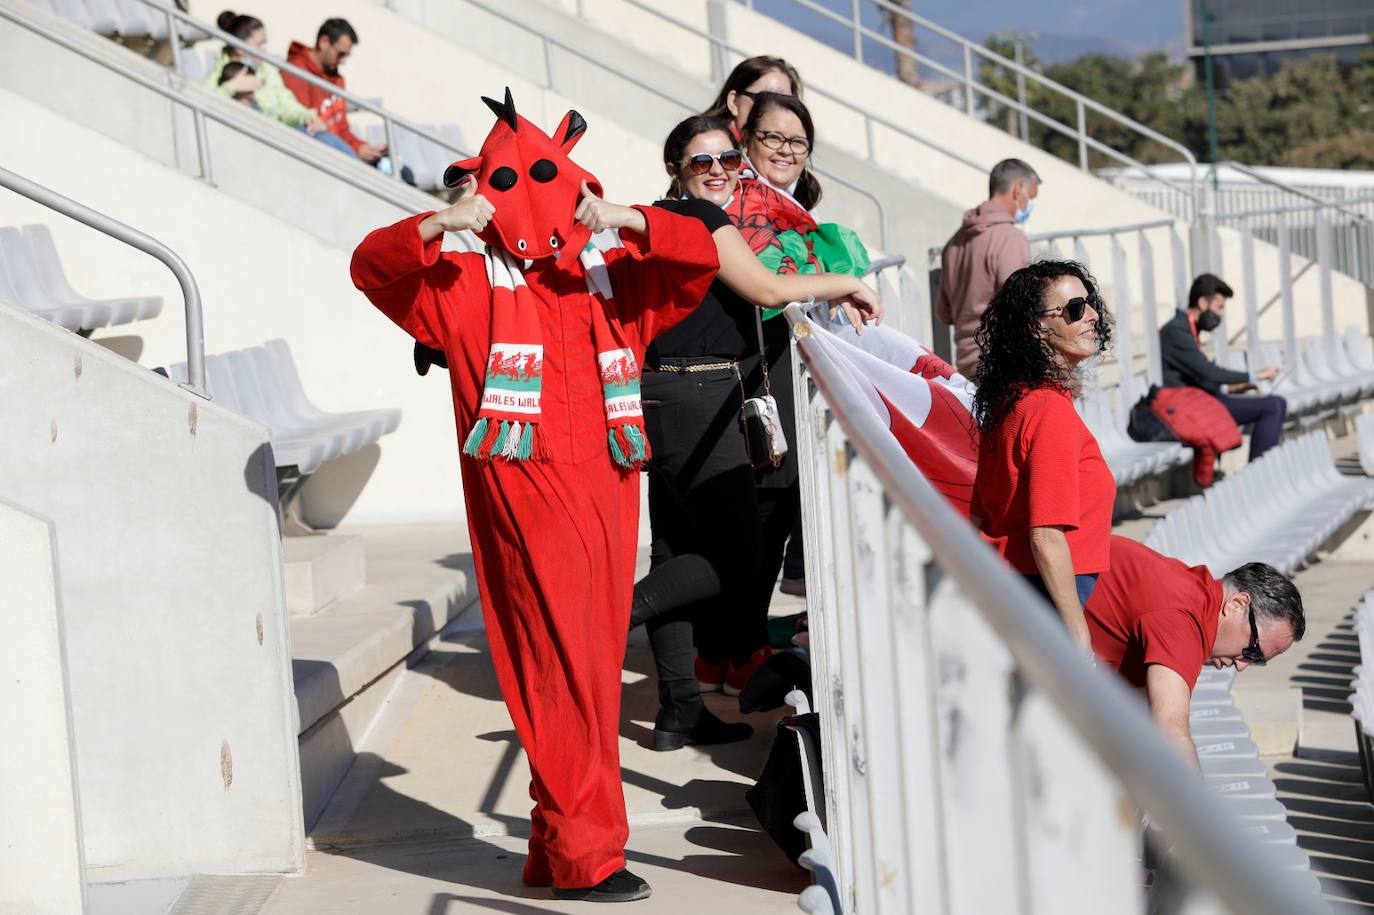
(622, 886)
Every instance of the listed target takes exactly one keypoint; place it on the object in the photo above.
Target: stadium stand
(264, 383)
(1279, 509)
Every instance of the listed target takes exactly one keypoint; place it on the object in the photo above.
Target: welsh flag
(922, 400)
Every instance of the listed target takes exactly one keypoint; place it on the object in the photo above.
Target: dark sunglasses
(700, 164)
(1074, 309)
(1251, 652)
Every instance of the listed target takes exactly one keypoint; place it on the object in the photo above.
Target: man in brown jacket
(987, 249)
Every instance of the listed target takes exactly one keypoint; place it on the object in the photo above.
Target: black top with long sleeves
(1185, 365)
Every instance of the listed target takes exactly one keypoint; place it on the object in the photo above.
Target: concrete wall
(41, 867)
(175, 619)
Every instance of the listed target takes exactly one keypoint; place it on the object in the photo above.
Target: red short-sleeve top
(1152, 609)
(1041, 467)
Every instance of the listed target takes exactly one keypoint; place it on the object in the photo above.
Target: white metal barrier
(973, 762)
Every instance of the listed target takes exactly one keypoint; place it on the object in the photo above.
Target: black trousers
(702, 500)
(1267, 414)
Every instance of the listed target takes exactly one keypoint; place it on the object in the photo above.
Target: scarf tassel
(629, 447)
(509, 439)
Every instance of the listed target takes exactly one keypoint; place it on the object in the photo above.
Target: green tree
(1314, 112)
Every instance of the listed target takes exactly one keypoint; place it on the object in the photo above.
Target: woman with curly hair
(1043, 492)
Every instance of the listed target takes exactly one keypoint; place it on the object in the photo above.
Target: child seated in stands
(232, 70)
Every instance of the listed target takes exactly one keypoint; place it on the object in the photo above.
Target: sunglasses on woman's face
(700, 164)
(1074, 309)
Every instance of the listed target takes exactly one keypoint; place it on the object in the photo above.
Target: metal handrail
(190, 293)
(1097, 233)
(883, 234)
(1209, 849)
(870, 119)
(1319, 202)
(1082, 103)
(389, 121)
(1298, 208)
(883, 263)
(231, 116)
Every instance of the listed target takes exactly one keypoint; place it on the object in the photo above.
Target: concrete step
(322, 569)
(346, 659)
(436, 805)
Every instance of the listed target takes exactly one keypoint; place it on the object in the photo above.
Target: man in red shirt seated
(1158, 621)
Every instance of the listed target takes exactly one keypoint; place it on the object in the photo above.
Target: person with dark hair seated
(1185, 365)
(1157, 621)
(1043, 493)
(333, 44)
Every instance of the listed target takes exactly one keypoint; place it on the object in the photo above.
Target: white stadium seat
(261, 382)
(33, 278)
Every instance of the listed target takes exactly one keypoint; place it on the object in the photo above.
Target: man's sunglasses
(700, 164)
(1251, 652)
(1074, 309)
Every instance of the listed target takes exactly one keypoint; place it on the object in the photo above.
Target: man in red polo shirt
(1157, 621)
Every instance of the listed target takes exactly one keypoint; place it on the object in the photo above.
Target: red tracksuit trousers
(554, 545)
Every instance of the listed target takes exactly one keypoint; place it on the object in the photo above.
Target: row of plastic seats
(262, 382)
(823, 896)
(1327, 372)
(1130, 461)
(126, 18)
(31, 276)
(1234, 773)
(1279, 509)
(1362, 699)
(1364, 437)
(426, 159)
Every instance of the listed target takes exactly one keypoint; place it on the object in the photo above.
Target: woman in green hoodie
(269, 92)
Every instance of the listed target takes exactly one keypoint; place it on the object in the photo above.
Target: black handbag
(1144, 425)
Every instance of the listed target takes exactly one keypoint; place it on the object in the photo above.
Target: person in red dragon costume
(544, 336)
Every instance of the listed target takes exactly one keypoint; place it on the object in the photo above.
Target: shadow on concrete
(333, 489)
(443, 904)
(431, 851)
(1329, 807)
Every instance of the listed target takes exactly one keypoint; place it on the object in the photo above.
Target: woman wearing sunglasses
(701, 479)
(1043, 492)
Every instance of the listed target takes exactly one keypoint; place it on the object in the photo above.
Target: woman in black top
(701, 480)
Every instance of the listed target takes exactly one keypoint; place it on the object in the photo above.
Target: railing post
(716, 28)
(968, 79)
(1182, 279)
(857, 25)
(1022, 120)
(1247, 261)
(1290, 320)
(1082, 134)
(1323, 229)
(390, 129)
(1149, 310)
(1125, 347)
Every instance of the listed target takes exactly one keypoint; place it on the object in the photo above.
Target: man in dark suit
(1184, 364)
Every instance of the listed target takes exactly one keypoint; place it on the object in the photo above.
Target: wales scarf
(507, 425)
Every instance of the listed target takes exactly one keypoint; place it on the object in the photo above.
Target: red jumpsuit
(554, 541)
